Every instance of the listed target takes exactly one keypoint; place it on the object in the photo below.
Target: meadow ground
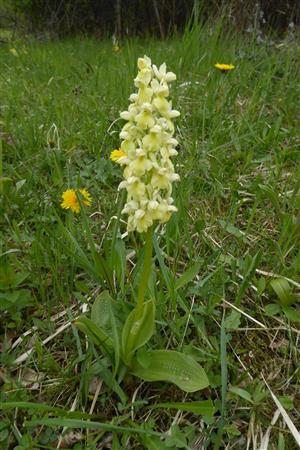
(235, 238)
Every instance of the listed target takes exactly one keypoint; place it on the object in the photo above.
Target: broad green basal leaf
(283, 290)
(171, 366)
(137, 330)
(291, 313)
(95, 333)
(102, 310)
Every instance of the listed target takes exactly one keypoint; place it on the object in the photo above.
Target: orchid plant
(145, 154)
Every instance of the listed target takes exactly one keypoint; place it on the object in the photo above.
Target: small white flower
(124, 135)
(144, 63)
(153, 204)
(133, 97)
(161, 88)
(130, 114)
(162, 73)
(138, 167)
(172, 142)
(144, 96)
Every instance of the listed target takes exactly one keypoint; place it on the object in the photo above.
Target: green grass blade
(88, 425)
(204, 407)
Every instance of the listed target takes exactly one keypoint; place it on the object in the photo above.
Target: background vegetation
(144, 17)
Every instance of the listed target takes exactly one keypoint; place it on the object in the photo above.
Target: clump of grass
(237, 227)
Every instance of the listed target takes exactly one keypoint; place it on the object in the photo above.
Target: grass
(237, 226)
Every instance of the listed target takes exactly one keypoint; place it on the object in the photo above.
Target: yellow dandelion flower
(224, 67)
(116, 155)
(70, 200)
(14, 52)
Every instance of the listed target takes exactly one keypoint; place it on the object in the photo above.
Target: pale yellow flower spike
(147, 147)
(70, 200)
(224, 67)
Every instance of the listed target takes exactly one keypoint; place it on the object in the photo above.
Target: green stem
(116, 226)
(146, 270)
